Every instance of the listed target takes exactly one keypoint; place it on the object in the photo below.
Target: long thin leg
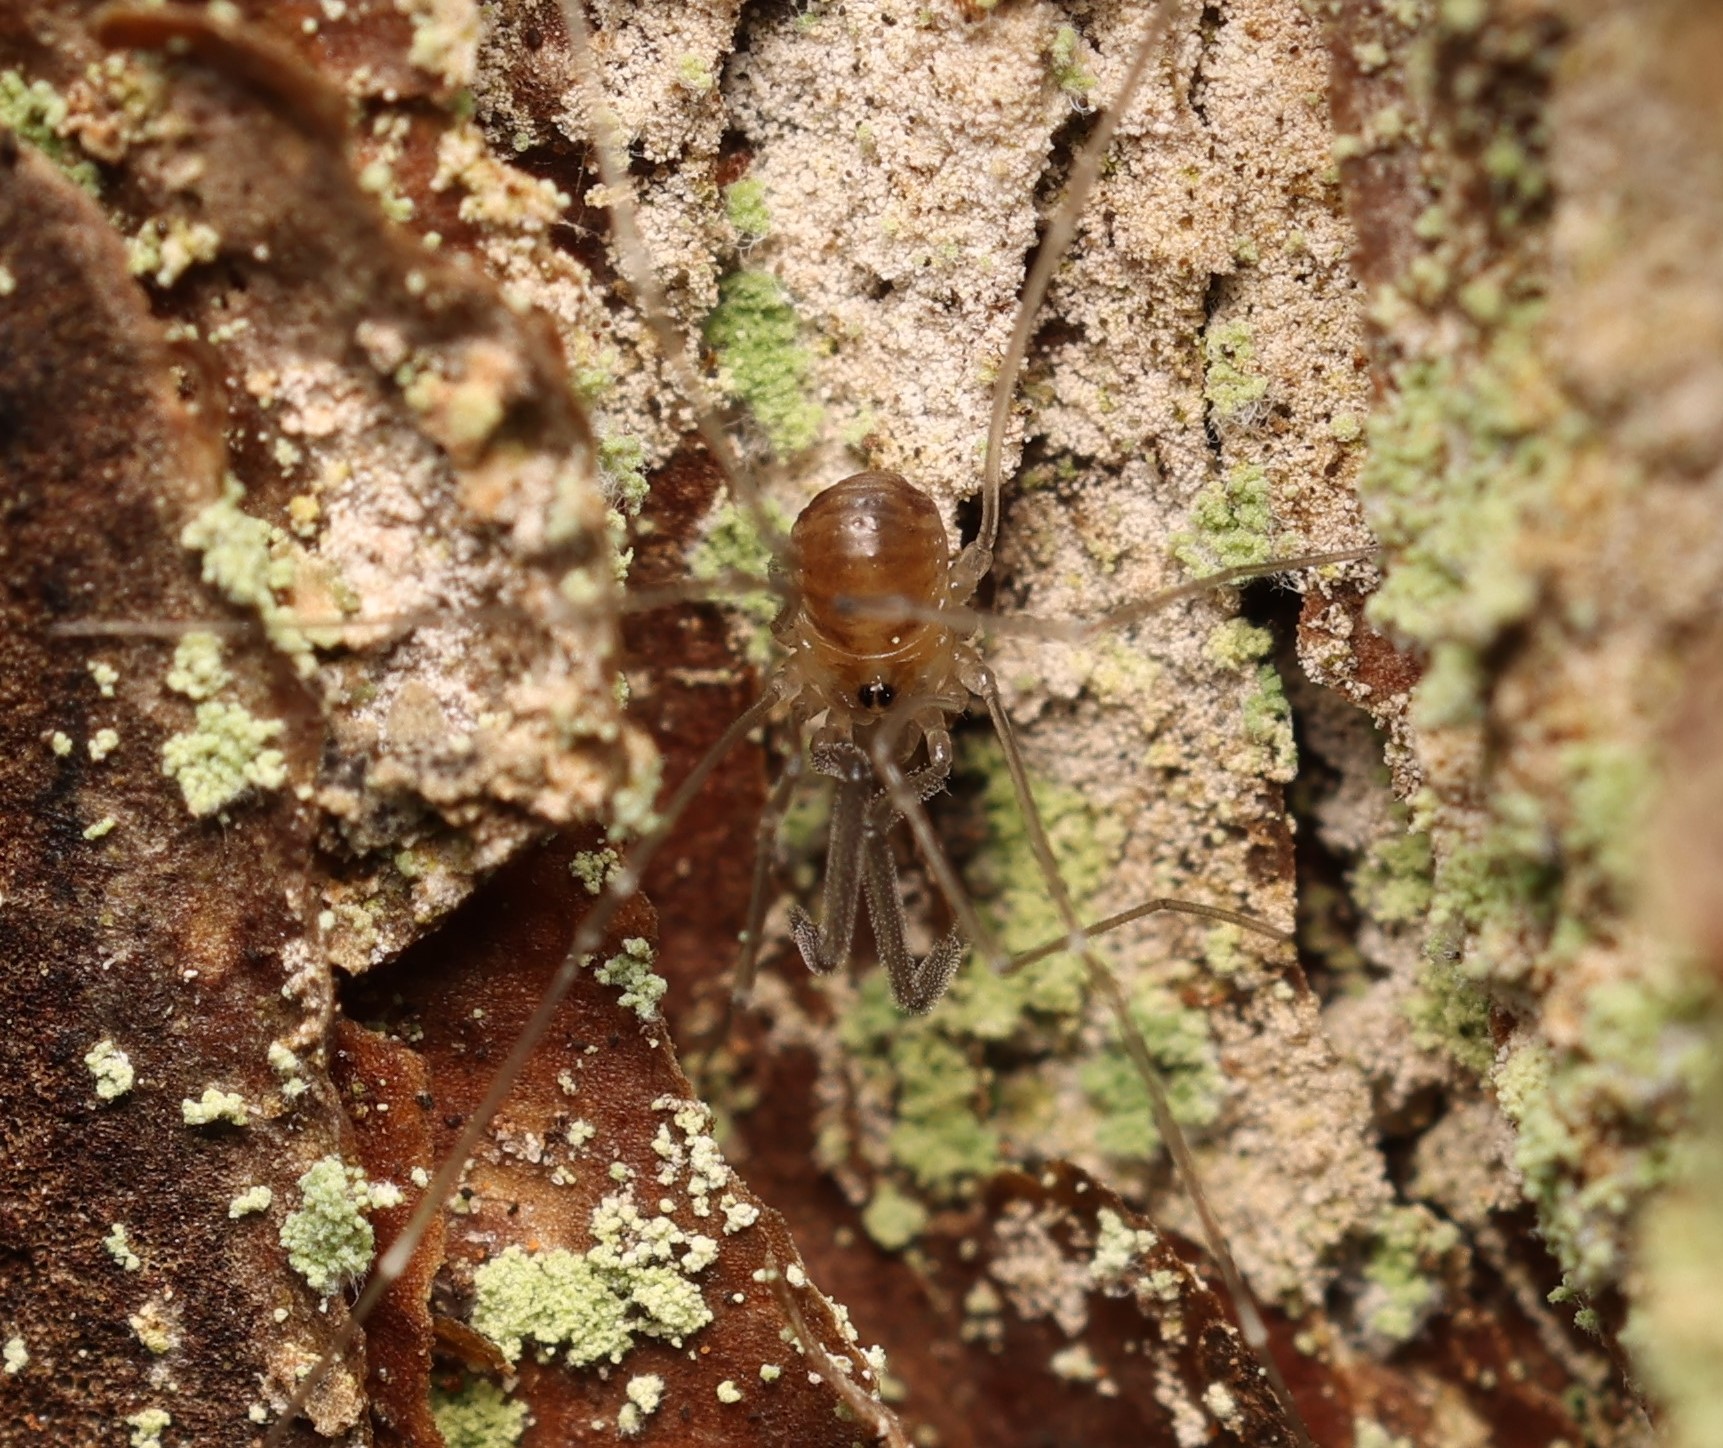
(1054, 244)
(1152, 907)
(636, 264)
(622, 885)
(1082, 630)
(1106, 985)
(867, 1409)
(765, 846)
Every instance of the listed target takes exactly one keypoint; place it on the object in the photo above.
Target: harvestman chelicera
(881, 654)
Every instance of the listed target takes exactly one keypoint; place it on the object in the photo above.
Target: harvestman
(881, 655)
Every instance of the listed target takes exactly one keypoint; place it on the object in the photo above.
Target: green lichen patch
(164, 251)
(560, 1299)
(892, 1217)
(1181, 1046)
(215, 1105)
(1393, 882)
(756, 334)
(155, 1327)
(633, 1280)
(745, 208)
(14, 1356)
(1234, 393)
(593, 868)
(1268, 726)
(327, 1237)
(148, 1425)
(37, 113)
(1494, 890)
(1117, 1246)
(1400, 1270)
(1451, 1012)
(1601, 1125)
(1231, 523)
(1675, 1331)
(642, 989)
(198, 671)
(478, 1415)
(105, 676)
(226, 756)
(250, 561)
(951, 1113)
(622, 479)
(1462, 460)
(645, 1392)
(112, 1069)
(1237, 643)
(732, 548)
(119, 1246)
(1069, 72)
(252, 1199)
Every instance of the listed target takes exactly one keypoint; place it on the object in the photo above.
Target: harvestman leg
(1105, 983)
(621, 887)
(765, 841)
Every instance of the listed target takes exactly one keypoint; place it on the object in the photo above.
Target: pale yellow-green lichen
(164, 253)
(250, 561)
(228, 754)
(37, 113)
(148, 1425)
(892, 1217)
(155, 1327)
(102, 827)
(103, 743)
(1075, 1363)
(112, 1069)
(213, 1106)
(1069, 72)
(1404, 1286)
(732, 548)
(645, 1392)
(1233, 391)
(105, 676)
(1117, 1245)
(14, 1356)
(327, 1237)
(756, 335)
(252, 1199)
(119, 1247)
(632, 970)
(594, 868)
(479, 1415)
(630, 1281)
(198, 671)
(745, 207)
